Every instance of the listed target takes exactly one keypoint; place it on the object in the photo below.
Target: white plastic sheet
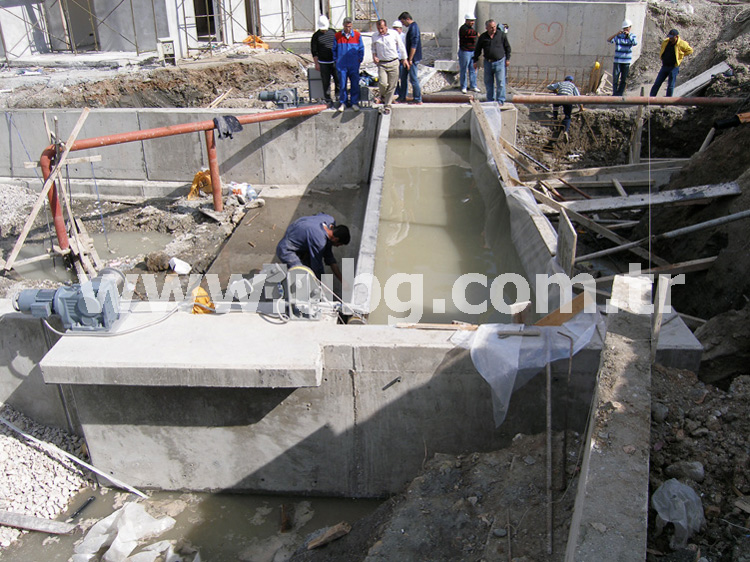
(509, 362)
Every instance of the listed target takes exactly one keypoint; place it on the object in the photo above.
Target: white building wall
(275, 18)
(22, 39)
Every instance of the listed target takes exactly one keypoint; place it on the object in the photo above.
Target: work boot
(565, 136)
(464, 91)
(340, 108)
(475, 89)
(355, 107)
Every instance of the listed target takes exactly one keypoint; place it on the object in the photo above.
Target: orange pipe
(48, 155)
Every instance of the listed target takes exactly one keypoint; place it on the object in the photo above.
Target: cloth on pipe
(227, 125)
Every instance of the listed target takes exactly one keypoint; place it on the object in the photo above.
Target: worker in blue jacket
(348, 52)
(309, 241)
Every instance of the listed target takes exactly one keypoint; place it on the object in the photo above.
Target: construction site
(538, 348)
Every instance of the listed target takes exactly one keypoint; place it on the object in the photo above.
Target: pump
(90, 306)
(283, 98)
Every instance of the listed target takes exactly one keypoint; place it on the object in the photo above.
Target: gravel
(15, 203)
(34, 481)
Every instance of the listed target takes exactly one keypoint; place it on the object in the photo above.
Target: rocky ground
(486, 506)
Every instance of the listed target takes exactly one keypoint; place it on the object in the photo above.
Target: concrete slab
(445, 119)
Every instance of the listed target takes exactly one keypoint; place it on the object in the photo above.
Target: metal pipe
(447, 98)
(48, 155)
(619, 100)
(135, 30)
(213, 166)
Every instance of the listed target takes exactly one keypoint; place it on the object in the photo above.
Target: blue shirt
(624, 48)
(306, 243)
(414, 40)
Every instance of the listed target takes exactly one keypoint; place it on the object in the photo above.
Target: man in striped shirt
(565, 88)
(321, 46)
(624, 42)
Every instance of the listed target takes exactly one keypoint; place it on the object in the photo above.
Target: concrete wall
(325, 149)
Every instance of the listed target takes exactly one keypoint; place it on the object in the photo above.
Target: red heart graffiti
(548, 34)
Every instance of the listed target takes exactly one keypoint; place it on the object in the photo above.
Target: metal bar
(549, 457)
(213, 166)
(135, 31)
(5, 48)
(612, 100)
(156, 30)
(93, 27)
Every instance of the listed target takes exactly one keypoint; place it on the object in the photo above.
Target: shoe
(387, 111)
(416, 103)
(340, 108)
(565, 136)
(463, 91)
(475, 89)
(355, 107)
(399, 100)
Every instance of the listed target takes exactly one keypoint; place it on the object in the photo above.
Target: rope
(99, 205)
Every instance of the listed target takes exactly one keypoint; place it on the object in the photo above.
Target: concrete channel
(235, 402)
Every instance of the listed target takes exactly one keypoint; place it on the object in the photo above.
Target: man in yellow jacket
(673, 50)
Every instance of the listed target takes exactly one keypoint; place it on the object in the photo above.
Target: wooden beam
(45, 189)
(495, 149)
(558, 317)
(694, 84)
(698, 193)
(635, 139)
(79, 160)
(596, 227)
(618, 186)
(331, 534)
(674, 269)
(30, 523)
(619, 170)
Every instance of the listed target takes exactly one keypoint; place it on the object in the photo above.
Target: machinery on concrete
(91, 306)
(283, 98)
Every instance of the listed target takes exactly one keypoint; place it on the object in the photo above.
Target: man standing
(403, 70)
(565, 88)
(624, 42)
(309, 240)
(321, 46)
(673, 50)
(414, 55)
(467, 41)
(348, 52)
(389, 53)
(494, 44)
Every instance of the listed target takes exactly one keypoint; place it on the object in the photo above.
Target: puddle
(237, 527)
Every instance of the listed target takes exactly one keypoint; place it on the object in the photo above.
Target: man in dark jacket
(321, 47)
(467, 41)
(413, 56)
(309, 241)
(494, 44)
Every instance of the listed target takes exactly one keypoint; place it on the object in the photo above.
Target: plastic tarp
(507, 362)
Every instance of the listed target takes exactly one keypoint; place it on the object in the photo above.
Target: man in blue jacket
(309, 241)
(348, 52)
(413, 56)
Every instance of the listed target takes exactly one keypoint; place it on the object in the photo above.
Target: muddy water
(432, 224)
(118, 246)
(236, 527)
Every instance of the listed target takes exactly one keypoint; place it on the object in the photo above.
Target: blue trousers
(494, 80)
(403, 83)
(567, 113)
(416, 90)
(352, 74)
(466, 63)
(620, 78)
(668, 73)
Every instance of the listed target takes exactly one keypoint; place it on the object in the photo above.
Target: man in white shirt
(388, 52)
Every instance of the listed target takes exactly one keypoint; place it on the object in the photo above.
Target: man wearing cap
(494, 44)
(624, 42)
(673, 50)
(565, 88)
(467, 41)
(389, 53)
(348, 52)
(321, 46)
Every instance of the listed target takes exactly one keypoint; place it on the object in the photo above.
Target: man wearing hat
(624, 42)
(467, 40)
(321, 47)
(565, 88)
(673, 50)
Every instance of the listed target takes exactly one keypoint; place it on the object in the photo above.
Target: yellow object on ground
(255, 42)
(203, 304)
(201, 182)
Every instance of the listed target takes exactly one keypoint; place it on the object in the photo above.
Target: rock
(659, 412)
(157, 261)
(529, 460)
(499, 532)
(601, 527)
(686, 469)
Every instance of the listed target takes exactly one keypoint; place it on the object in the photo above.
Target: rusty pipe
(48, 155)
(619, 100)
(213, 166)
(447, 98)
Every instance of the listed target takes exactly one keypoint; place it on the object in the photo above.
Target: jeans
(668, 73)
(620, 78)
(494, 80)
(328, 71)
(465, 62)
(567, 112)
(416, 90)
(353, 75)
(403, 84)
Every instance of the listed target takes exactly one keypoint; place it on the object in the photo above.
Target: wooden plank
(697, 193)
(45, 189)
(427, 326)
(567, 238)
(635, 139)
(333, 533)
(694, 84)
(674, 269)
(595, 227)
(79, 160)
(558, 317)
(618, 186)
(29, 523)
(29, 261)
(495, 149)
(619, 170)
(597, 183)
(660, 302)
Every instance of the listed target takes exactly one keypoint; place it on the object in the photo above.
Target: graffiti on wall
(548, 34)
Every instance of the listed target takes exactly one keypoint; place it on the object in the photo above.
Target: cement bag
(679, 504)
